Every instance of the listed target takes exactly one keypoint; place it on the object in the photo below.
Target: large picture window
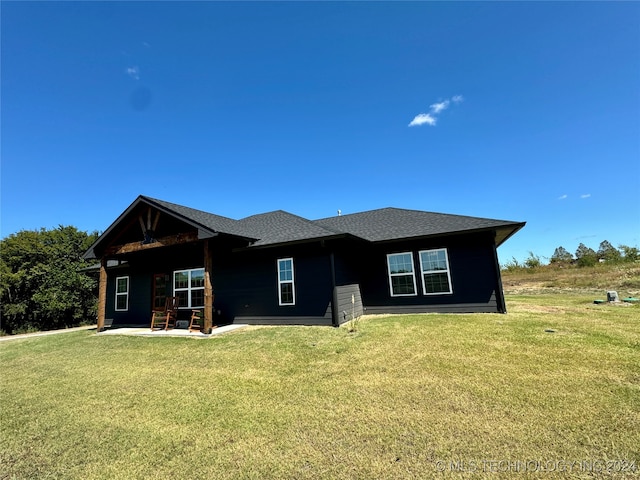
(402, 279)
(122, 294)
(436, 277)
(188, 286)
(286, 288)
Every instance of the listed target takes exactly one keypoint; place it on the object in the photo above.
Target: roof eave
(515, 227)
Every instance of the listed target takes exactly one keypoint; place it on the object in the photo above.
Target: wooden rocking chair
(196, 320)
(165, 318)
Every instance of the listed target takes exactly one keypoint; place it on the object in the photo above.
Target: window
(188, 286)
(436, 277)
(286, 290)
(402, 280)
(122, 294)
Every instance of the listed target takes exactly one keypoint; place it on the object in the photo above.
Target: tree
(561, 255)
(629, 254)
(41, 284)
(586, 256)
(532, 261)
(607, 252)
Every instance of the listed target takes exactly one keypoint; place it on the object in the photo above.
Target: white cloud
(562, 197)
(435, 109)
(438, 107)
(586, 195)
(423, 118)
(133, 72)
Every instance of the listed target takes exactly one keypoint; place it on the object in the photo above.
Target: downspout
(501, 303)
(335, 315)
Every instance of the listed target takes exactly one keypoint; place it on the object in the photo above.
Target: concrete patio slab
(174, 332)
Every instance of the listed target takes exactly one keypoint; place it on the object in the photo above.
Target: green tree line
(42, 284)
(583, 257)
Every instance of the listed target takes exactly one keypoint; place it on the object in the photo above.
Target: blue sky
(517, 111)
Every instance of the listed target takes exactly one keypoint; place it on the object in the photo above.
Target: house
(277, 268)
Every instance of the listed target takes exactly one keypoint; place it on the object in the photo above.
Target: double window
(188, 286)
(286, 287)
(122, 294)
(434, 269)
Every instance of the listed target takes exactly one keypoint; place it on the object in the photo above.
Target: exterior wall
(245, 281)
(246, 286)
(473, 277)
(139, 298)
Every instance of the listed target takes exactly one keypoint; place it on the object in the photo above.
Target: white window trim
(423, 272)
(120, 294)
(188, 289)
(281, 282)
(413, 275)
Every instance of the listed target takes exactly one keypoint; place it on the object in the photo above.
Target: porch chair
(167, 317)
(196, 320)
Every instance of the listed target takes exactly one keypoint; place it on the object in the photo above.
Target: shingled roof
(210, 221)
(382, 225)
(387, 224)
(283, 227)
(280, 227)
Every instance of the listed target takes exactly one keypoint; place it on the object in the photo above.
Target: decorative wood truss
(148, 229)
(148, 224)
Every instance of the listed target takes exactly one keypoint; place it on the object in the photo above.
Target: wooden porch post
(102, 293)
(208, 289)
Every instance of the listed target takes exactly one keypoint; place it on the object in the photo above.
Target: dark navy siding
(246, 286)
(245, 281)
(473, 277)
(139, 309)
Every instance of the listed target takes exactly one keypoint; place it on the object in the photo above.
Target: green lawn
(555, 381)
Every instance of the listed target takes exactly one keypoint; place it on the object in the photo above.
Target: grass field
(622, 277)
(555, 381)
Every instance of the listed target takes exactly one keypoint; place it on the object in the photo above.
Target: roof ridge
(459, 215)
(264, 213)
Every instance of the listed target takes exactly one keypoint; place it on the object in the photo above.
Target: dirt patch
(537, 308)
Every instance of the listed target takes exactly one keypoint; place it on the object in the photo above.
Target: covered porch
(151, 253)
